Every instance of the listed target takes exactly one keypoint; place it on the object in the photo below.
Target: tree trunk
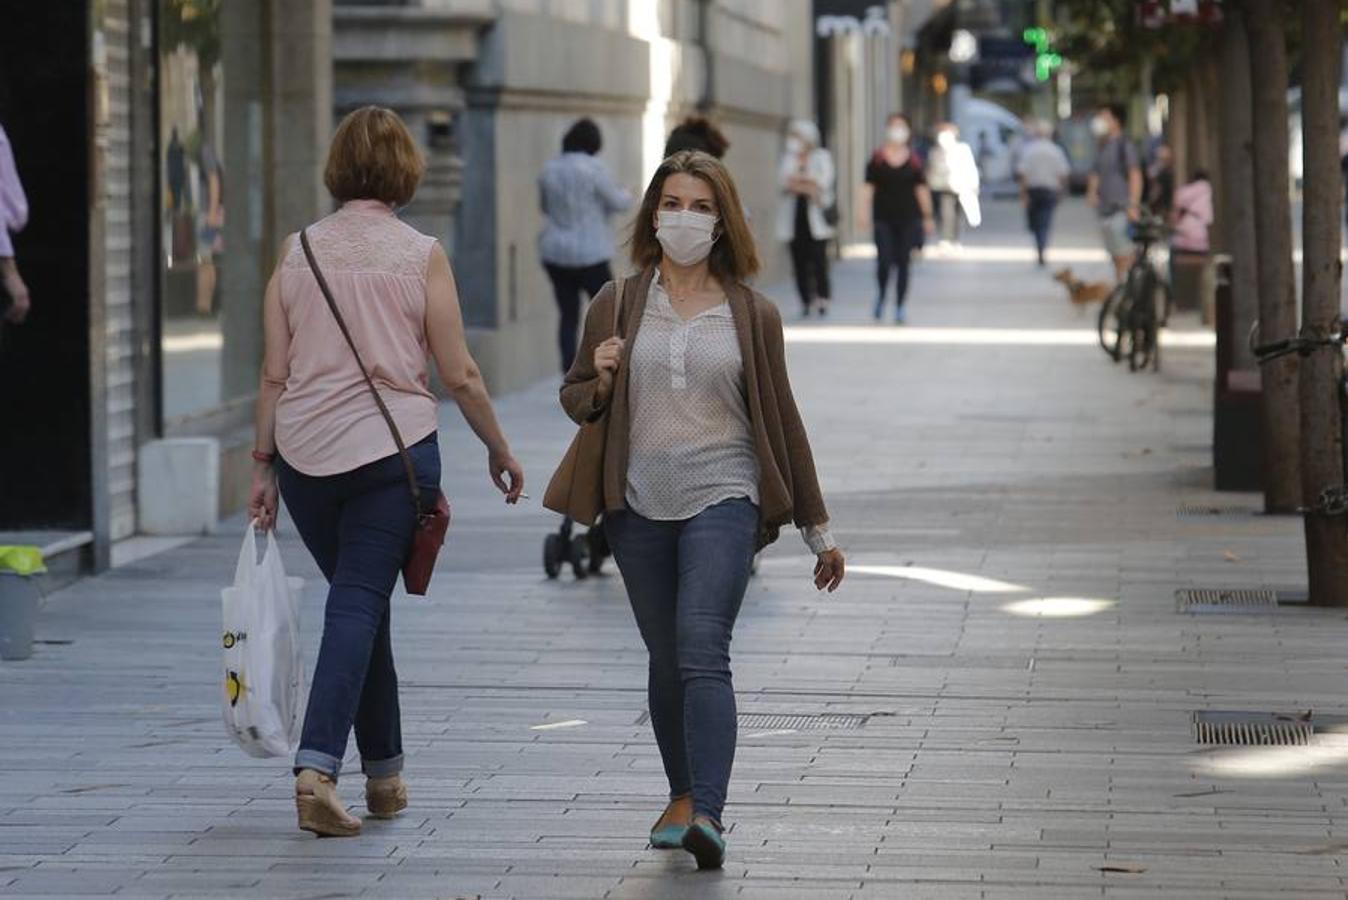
(1321, 434)
(1276, 279)
(1181, 102)
(1237, 222)
(1206, 124)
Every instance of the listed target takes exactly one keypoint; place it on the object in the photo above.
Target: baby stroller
(584, 552)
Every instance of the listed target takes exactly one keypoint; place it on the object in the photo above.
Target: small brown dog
(1082, 292)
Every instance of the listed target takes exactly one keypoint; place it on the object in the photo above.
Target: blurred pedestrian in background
(706, 458)
(952, 175)
(331, 447)
(15, 302)
(896, 205)
(1043, 171)
(1114, 187)
(577, 196)
(211, 226)
(697, 133)
(804, 213)
(1191, 215)
(1160, 191)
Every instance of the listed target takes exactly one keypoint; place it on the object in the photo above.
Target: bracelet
(259, 456)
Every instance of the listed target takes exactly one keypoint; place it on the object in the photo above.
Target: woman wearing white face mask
(705, 459)
(806, 176)
(899, 202)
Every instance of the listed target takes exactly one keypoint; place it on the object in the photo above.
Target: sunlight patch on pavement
(993, 254)
(983, 337)
(1324, 751)
(550, 726)
(1058, 607)
(958, 581)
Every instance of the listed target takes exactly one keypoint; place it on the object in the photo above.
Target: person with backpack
(1114, 187)
(899, 203)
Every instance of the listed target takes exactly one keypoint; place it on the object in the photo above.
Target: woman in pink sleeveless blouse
(323, 441)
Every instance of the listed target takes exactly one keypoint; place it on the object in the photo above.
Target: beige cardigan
(788, 486)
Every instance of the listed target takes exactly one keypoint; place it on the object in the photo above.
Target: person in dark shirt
(1161, 181)
(899, 203)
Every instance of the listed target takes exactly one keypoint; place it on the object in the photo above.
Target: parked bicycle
(1138, 308)
(1332, 501)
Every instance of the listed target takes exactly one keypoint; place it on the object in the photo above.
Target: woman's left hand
(262, 497)
(828, 570)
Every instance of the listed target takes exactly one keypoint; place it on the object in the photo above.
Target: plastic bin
(19, 599)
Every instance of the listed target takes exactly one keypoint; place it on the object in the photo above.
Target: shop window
(210, 168)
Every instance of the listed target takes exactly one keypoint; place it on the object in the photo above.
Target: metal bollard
(18, 612)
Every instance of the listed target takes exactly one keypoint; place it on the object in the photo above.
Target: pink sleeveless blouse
(326, 421)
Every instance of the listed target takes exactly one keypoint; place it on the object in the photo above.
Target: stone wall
(637, 68)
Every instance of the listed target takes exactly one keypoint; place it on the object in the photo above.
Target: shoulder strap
(618, 301)
(369, 382)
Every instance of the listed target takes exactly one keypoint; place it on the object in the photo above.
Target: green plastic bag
(21, 561)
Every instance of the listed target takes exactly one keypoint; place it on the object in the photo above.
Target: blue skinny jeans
(358, 525)
(686, 580)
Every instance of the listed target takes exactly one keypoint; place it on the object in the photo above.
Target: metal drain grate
(1219, 600)
(1251, 729)
(789, 722)
(1197, 511)
(774, 722)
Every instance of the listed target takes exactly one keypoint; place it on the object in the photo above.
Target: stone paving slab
(1011, 749)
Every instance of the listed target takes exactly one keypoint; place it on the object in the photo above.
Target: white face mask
(686, 236)
(946, 139)
(794, 145)
(1099, 127)
(898, 133)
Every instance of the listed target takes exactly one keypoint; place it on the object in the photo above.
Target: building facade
(168, 147)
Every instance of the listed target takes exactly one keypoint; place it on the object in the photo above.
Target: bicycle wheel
(1110, 326)
(1143, 325)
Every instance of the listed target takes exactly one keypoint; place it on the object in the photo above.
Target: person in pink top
(322, 440)
(1191, 215)
(13, 218)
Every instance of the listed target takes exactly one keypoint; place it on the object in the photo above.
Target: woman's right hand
(606, 359)
(262, 496)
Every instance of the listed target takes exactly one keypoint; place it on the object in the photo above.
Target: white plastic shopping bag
(263, 690)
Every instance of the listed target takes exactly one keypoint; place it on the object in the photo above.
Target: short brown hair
(734, 257)
(373, 157)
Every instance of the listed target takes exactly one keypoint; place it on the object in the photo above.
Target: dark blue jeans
(686, 580)
(1039, 216)
(894, 246)
(358, 525)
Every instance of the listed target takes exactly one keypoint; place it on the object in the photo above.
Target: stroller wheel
(580, 556)
(552, 555)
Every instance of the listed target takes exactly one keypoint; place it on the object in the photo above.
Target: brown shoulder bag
(432, 521)
(577, 487)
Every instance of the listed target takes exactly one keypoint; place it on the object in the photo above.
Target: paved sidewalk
(1008, 637)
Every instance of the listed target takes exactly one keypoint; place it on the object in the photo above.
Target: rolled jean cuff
(319, 761)
(382, 768)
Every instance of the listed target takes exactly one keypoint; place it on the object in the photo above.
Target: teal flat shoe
(668, 837)
(703, 840)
